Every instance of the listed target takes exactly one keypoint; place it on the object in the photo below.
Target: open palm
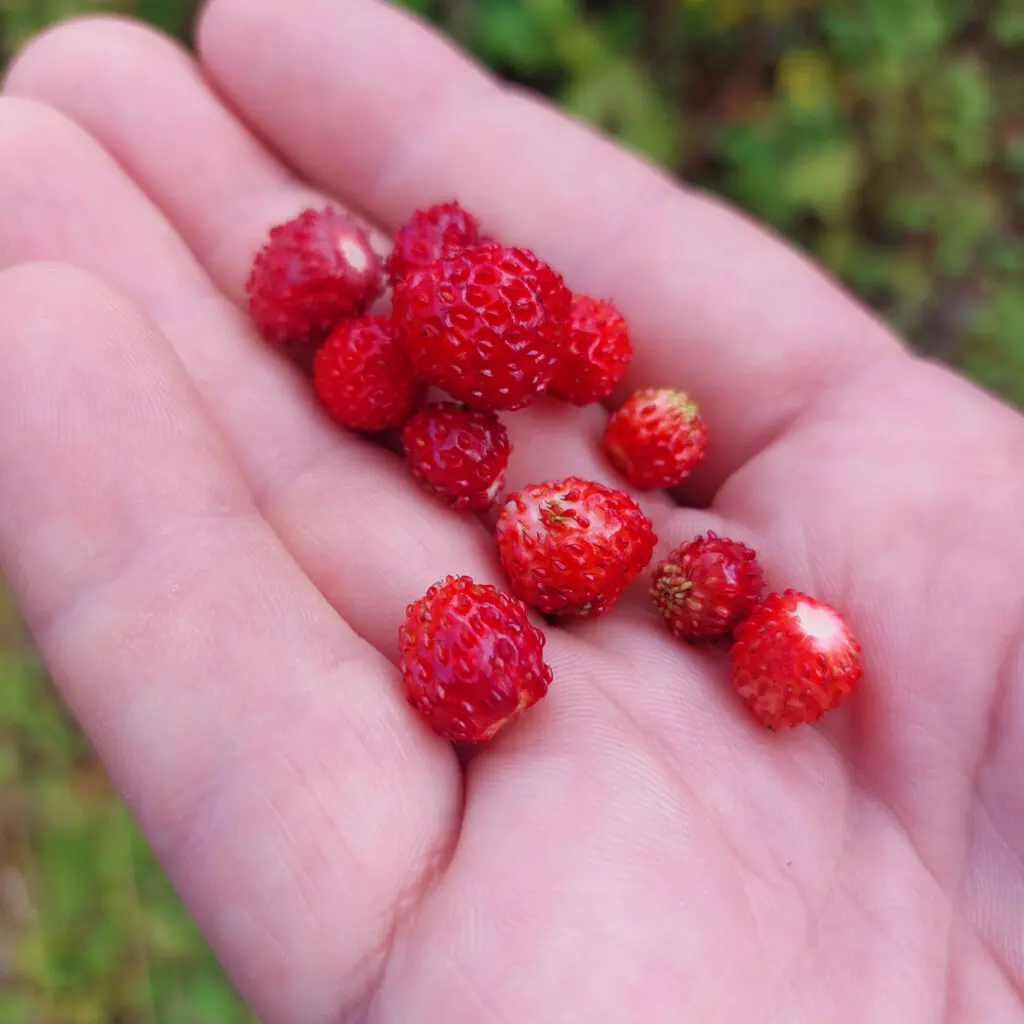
(216, 575)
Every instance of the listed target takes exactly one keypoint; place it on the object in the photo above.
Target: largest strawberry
(487, 325)
(571, 547)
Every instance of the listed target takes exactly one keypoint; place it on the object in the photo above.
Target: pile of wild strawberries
(495, 328)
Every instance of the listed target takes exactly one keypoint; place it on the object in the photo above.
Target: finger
(262, 744)
(346, 508)
(145, 89)
(366, 100)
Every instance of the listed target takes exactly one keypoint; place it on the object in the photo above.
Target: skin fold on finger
(143, 89)
(265, 747)
(717, 305)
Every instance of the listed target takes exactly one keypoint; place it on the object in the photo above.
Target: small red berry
(363, 376)
(486, 325)
(430, 235)
(572, 547)
(314, 271)
(793, 659)
(461, 453)
(656, 438)
(706, 586)
(596, 355)
(471, 659)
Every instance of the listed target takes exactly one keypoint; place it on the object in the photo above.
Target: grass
(884, 136)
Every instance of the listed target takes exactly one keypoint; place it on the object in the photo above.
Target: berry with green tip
(706, 586)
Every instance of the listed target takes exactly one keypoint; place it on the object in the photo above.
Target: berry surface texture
(313, 272)
(486, 325)
(656, 438)
(706, 586)
(470, 659)
(363, 376)
(596, 355)
(438, 233)
(459, 452)
(794, 659)
(571, 547)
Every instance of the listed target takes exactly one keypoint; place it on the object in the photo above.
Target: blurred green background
(885, 136)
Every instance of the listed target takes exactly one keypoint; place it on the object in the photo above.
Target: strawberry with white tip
(794, 659)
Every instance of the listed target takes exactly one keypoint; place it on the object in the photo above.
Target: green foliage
(884, 136)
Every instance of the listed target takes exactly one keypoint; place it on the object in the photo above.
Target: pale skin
(215, 575)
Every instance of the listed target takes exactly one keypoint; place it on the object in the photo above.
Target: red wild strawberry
(572, 547)
(460, 452)
(430, 235)
(363, 377)
(706, 586)
(486, 325)
(314, 271)
(471, 659)
(793, 659)
(656, 438)
(597, 353)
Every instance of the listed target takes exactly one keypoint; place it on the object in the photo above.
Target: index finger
(366, 100)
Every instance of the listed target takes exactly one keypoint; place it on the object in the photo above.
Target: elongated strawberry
(596, 354)
(793, 659)
(486, 325)
(656, 438)
(459, 452)
(314, 271)
(363, 376)
(706, 586)
(571, 547)
(471, 660)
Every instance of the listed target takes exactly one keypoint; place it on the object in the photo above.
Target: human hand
(215, 575)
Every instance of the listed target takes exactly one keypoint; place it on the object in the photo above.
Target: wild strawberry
(706, 586)
(596, 354)
(656, 438)
(460, 452)
(434, 234)
(363, 376)
(486, 325)
(313, 271)
(572, 547)
(470, 658)
(793, 659)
